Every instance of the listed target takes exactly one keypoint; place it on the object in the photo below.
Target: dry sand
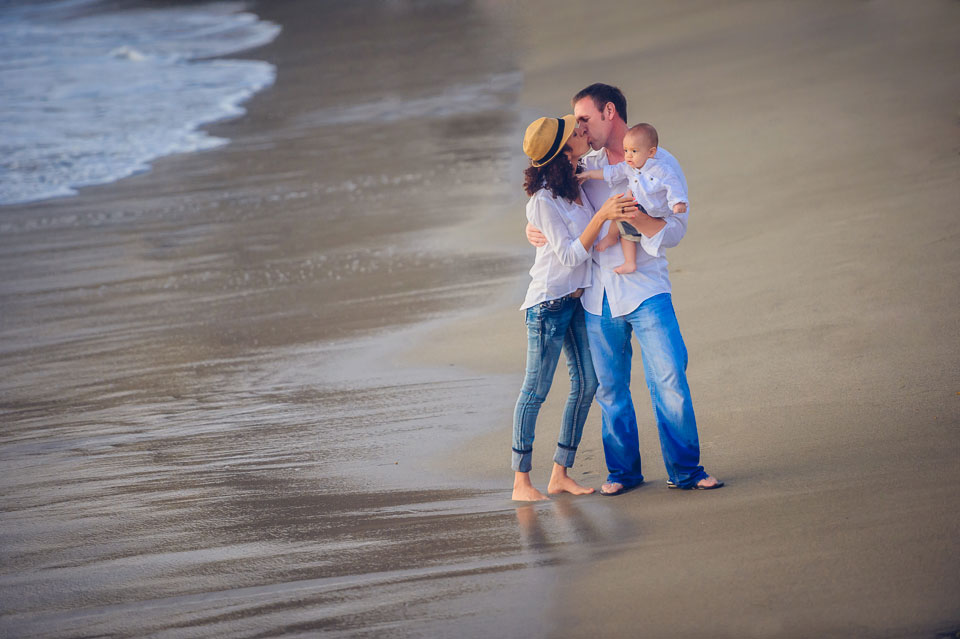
(817, 289)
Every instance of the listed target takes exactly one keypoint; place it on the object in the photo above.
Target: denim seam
(536, 384)
(578, 361)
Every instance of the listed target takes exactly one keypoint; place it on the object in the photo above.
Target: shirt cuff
(652, 244)
(608, 175)
(580, 252)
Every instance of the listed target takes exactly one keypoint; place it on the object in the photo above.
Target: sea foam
(93, 94)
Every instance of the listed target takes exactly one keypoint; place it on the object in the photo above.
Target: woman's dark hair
(557, 175)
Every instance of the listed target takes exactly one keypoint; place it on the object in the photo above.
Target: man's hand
(680, 207)
(534, 236)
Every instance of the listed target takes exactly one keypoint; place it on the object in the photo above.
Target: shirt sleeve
(668, 237)
(567, 247)
(614, 173)
(675, 191)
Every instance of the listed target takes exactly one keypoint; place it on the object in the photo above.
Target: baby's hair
(647, 132)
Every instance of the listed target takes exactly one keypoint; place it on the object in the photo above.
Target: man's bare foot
(560, 482)
(625, 268)
(708, 483)
(611, 488)
(523, 490)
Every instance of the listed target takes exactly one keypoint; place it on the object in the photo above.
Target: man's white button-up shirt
(626, 292)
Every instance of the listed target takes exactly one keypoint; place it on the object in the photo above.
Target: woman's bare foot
(626, 267)
(523, 490)
(561, 483)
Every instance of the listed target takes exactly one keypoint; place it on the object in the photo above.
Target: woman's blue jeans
(665, 366)
(552, 327)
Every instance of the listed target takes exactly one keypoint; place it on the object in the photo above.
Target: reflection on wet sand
(279, 555)
(570, 529)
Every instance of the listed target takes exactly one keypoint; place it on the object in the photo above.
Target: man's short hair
(647, 132)
(601, 94)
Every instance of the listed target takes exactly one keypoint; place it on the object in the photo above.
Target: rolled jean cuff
(565, 455)
(522, 461)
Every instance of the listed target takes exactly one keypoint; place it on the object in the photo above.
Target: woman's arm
(546, 216)
(609, 211)
(617, 207)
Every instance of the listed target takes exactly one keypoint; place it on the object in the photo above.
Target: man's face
(593, 122)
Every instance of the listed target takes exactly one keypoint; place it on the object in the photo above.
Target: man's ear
(609, 109)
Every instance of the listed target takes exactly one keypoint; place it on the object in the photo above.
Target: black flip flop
(697, 486)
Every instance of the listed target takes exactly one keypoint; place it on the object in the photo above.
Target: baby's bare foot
(607, 241)
(623, 269)
(527, 493)
(564, 484)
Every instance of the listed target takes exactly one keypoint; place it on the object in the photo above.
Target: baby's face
(637, 150)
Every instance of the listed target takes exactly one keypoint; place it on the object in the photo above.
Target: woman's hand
(624, 207)
(619, 207)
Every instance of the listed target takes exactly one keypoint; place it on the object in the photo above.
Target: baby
(657, 189)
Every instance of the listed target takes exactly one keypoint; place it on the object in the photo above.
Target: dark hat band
(556, 143)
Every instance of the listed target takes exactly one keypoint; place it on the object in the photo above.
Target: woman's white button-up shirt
(563, 265)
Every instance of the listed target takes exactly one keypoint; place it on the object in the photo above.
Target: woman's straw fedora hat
(546, 136)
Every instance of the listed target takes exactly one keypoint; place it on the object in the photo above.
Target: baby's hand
(595, 174)
(680, 207)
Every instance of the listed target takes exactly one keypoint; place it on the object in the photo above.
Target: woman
(554, 315)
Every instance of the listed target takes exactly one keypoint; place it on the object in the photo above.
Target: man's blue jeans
(665, 364)
(552, 327)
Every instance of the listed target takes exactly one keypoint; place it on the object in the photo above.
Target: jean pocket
(532, 316)
(552, 305)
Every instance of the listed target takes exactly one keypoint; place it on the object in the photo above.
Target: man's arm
(672, 230)
(534, 236)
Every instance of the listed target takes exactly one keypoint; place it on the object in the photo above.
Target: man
(639, 303)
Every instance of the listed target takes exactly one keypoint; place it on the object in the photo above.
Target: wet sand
(236, 402)
(201, 433)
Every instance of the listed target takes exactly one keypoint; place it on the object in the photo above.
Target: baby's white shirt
(655, 186)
